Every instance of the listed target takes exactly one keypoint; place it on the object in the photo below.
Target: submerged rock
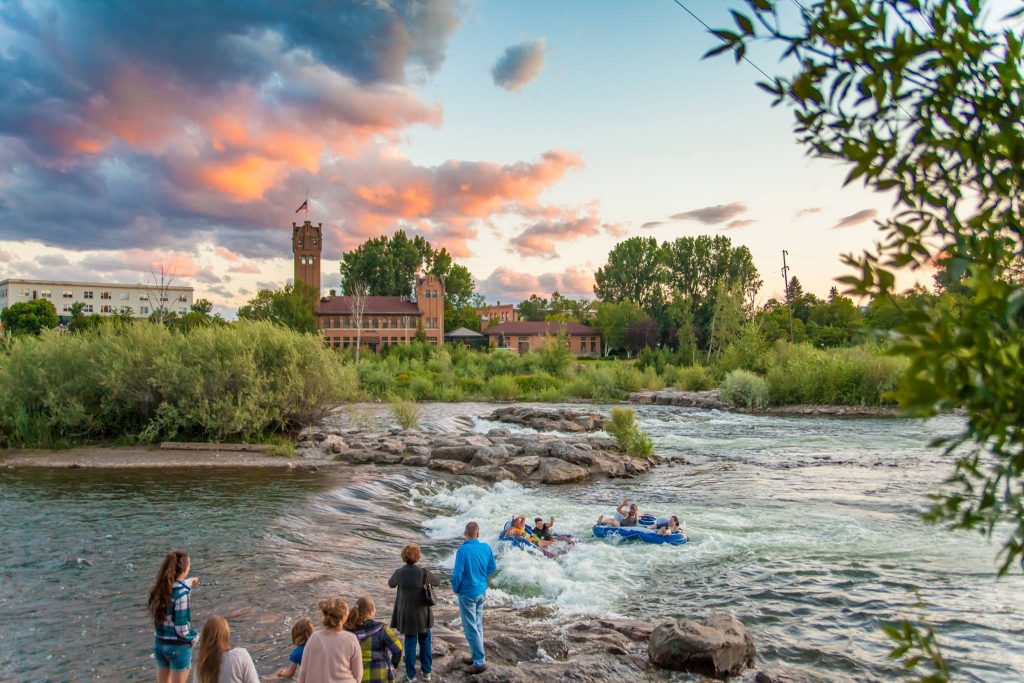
(719, 646)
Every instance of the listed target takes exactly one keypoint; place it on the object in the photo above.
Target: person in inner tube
(666, 525)
(542, 531)
(623, 516)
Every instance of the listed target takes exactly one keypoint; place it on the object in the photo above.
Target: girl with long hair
(381, 649)
(170, 609)
(332, 655)
(218, 662)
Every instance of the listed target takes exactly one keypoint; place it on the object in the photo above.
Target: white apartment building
(97, 298)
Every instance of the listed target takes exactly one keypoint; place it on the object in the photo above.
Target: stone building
(523, 336)
(375, 321)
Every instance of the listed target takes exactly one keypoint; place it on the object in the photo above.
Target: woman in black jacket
(412, 616)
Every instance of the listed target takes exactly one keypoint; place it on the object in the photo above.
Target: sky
(527, 138)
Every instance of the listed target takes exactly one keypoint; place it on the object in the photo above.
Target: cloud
(862, 216)
(652, 224)
(807, 211)
(712, 215)
(505, 284)
(739, 223)
(519, 65)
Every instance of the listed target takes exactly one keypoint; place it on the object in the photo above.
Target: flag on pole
(303, 205)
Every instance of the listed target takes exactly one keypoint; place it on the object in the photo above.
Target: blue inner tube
(641, 532)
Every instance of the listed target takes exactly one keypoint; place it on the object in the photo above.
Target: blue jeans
(172, 656)
(426, 654)
(472, 612)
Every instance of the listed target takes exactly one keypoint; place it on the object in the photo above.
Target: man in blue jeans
(474, 562)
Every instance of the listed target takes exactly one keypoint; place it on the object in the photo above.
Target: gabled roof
(464, 333)
(529, 329)
(375, 305)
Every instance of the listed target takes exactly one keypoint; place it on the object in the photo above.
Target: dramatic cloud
(712, 215)
(519, 65)
(652, 224)
(505, 284)
(560, 225)
(806, 212)
(739, 223)
(862, 216)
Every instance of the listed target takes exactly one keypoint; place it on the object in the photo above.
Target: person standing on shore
(474, 562)
(218, 662)
(170, 608)
(332, 655)
(413, 614)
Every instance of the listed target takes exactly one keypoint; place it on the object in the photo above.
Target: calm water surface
(806, 529)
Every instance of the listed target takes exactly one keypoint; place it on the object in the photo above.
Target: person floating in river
(301, 631)
(623, 517)
(666, 525)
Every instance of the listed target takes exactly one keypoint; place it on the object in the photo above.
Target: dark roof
(528, 328)
(375, 305)
(464, 333)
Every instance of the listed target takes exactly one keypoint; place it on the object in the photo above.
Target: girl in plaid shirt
(382, 651)
(169, 605)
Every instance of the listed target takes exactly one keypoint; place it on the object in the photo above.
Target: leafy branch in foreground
(924, 100)
(916, 645)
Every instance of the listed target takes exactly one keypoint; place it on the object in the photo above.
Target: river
(806, 529)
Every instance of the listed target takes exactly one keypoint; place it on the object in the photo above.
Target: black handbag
(428, 591)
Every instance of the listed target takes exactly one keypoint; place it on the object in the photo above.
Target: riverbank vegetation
(143, 382)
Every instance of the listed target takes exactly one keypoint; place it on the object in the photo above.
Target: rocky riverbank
(711, 400)
(497, 455)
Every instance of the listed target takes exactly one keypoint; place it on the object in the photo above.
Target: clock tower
(307, 243)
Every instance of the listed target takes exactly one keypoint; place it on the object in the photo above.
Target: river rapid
(806, 529)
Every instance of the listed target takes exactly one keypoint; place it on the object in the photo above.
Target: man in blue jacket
(474, 562)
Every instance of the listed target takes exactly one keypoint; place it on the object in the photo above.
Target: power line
(712, 31)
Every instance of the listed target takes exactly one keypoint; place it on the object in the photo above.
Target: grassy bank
(140, 382)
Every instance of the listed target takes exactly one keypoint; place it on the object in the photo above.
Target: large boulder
(523, 466)
(555, 471)
(453, 466)
(462, 453)
(719, 646)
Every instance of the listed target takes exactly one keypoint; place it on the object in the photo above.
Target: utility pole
(785, 280)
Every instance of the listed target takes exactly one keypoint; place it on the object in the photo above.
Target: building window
(87, 295)
(144, 310)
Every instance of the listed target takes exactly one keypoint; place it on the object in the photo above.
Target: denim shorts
(172, 656)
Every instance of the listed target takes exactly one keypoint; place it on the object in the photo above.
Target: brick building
(523, 336)
(383, 320)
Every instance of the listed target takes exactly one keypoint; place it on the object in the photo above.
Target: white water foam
(595, 577)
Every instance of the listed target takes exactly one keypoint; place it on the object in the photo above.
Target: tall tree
(29, 317)
(634, 272)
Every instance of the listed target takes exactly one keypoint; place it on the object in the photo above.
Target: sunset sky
(525, 137)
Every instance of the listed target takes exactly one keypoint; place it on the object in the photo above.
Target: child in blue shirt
(301, 631)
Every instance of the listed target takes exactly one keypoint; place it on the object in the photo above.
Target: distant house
(523, 336)
(498, 313)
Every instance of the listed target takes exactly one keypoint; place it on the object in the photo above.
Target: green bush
(693, 378)
(502, 388)
(407, 413)
(631, 440)
(742, 389)
(141, 381)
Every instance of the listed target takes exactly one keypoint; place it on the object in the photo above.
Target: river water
(806, 529)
